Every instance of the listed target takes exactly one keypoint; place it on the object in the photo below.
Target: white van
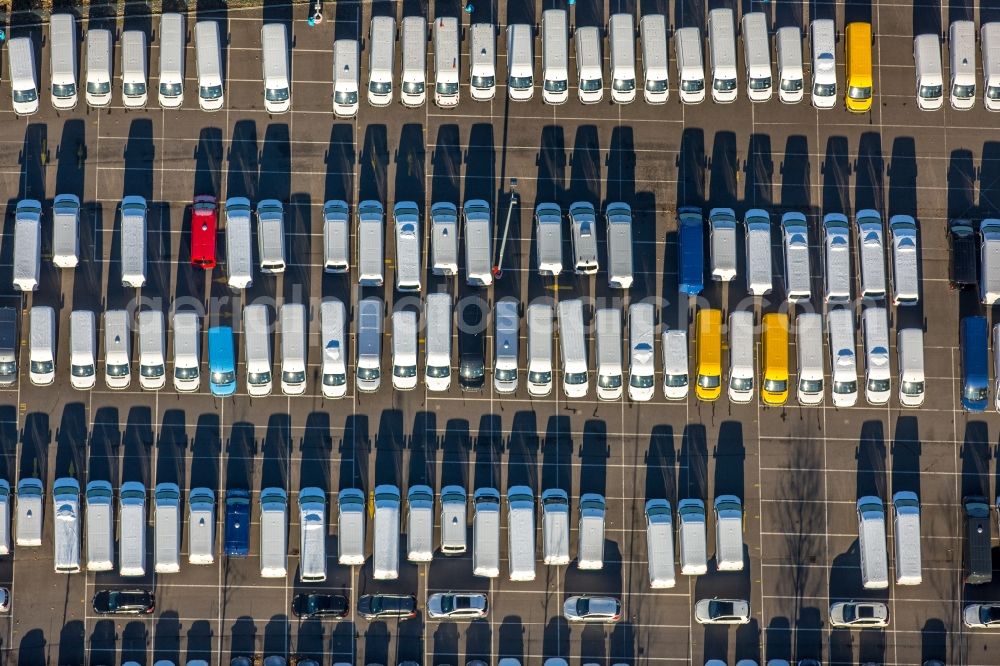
(692, 537)
(843, 362)
(312, 535)
(486, 533)
(871, 543)
(273, 533)
(741, 366)
(66, 230)
(173, 42)
(555, 527)
(134, 69)
(4, 517)
(41, 345)
(257, 348)
(962, 46)
(62, 61)
(369, 344)
(478, 243)
(201, 526)
(132, 529)
(482, 61)
(548, 238)
(294, 344)
(758, 242)
(555, 56)
(521, 533)
(437, 349)
(333, 320)
(371, 236)
(875, 327)
(930, 79)
(618, 222)
(905, 276)
(520, 62)
(28, 528)
(133, 241)
(583, 234)
(728, 533)
(690, 65)
(413, 91)
(444, 238)
(788, 50)
(274, 49)
(453, 520)
(27, 245)
(795, 237)
(271, 236)
(653, 33)
(608, 344)
(573, 343)
(117, 349)
(351, 509)
(824, 65)
(590, 549)
(82, 349)
(98, 67)
(757, 56)
(641, 331)
(336, 236)
(446, 53)
(385, 563)
(506, 317)
(906, 537)
(187, 351)
(539, 349)
(239, 257)
(404, 350)
(152, 350)
(989, 38)
(9, 342)
(722, 55)
(167, 528)
(420, 524)
(722, 239)
(381, 60)
(621, 46)
(406, 220)
(23, 75)
(809, 347)
(910, 347)
(208, 57)
(660, 544)
(66, 525)
(346, 78)
(674, 346)
(836, 258)
(100, 526)
(989, 260)
(589, 64)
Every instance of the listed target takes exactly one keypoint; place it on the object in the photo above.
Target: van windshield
(276, 94)
(539, 377)
(845, 388)
(575, 378)
(623, 85)
(368, 374)
(444, 88)
(724, 85)
(505, 375)
(930, 92)
(347, 98)
(709, 381)
(763, 83)
(675, 381)
(591, 85)
(331, 379)
(556, 86)
(79, 370)
(170, 89)
(912, 388)
(641, 381)
(781, 385)
(293, 377)
(151, 370)
(859, 92)
(824, 89)
(220, 378)
(98, 88)
(210, 92)
(10, 367)
(134, 89)
(438, 372)
(993, 92)
(963, 92)
(258, 377)
(656, 86)
(380, 87)
(404, 371)
(117, 370)
(603, 381)
(692, 85)
(21, 96)
(63, 89)
(481, 82)
(417, 87)
(520, 82)
(810, 385)
(741, 383)
(791, 85)
(971, 393)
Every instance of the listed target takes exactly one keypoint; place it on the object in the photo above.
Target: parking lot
(799, 470)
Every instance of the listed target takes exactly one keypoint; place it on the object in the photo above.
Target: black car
(964, 254)
(472, 347)
(124, 602)
(373, 606)
(320, 605)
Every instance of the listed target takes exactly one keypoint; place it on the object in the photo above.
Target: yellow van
(774, 339)
(709, 331)
(859, 67)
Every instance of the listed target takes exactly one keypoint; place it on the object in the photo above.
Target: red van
(203, 225)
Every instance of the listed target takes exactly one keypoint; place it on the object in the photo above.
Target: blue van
(690, 251)
(221, 361)
(975, 363)
(237, 522)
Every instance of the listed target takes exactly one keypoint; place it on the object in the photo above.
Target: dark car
(472, 347)
(320, 605)
(124, 602)
(373, 606)
(963, 251)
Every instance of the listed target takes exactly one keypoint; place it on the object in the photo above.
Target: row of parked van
(961, 91)
(873, 558)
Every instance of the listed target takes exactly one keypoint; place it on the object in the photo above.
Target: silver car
(861, 614)
(722, 611)
(982, 616)
(457, 606)
(592, 609)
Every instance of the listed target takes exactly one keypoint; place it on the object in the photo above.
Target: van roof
(653, 28)
(446, 48)
(756, 51)
(990, 39)
(345, 57)
(692, 252)
(722, 39)
(555, 41)
(927, 53)
(351, 523)
(621, 35)
(871, 536)
(274, 45)
(571, 331)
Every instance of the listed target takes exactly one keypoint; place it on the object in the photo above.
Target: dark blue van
(237, 522)
(690, 251)
(974, 340)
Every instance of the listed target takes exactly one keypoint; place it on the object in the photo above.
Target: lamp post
(498, 269)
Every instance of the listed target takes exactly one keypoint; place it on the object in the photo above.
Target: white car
(980, 616)
(592, 609)
(722, 611)
(457, 606)
(861, 614)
